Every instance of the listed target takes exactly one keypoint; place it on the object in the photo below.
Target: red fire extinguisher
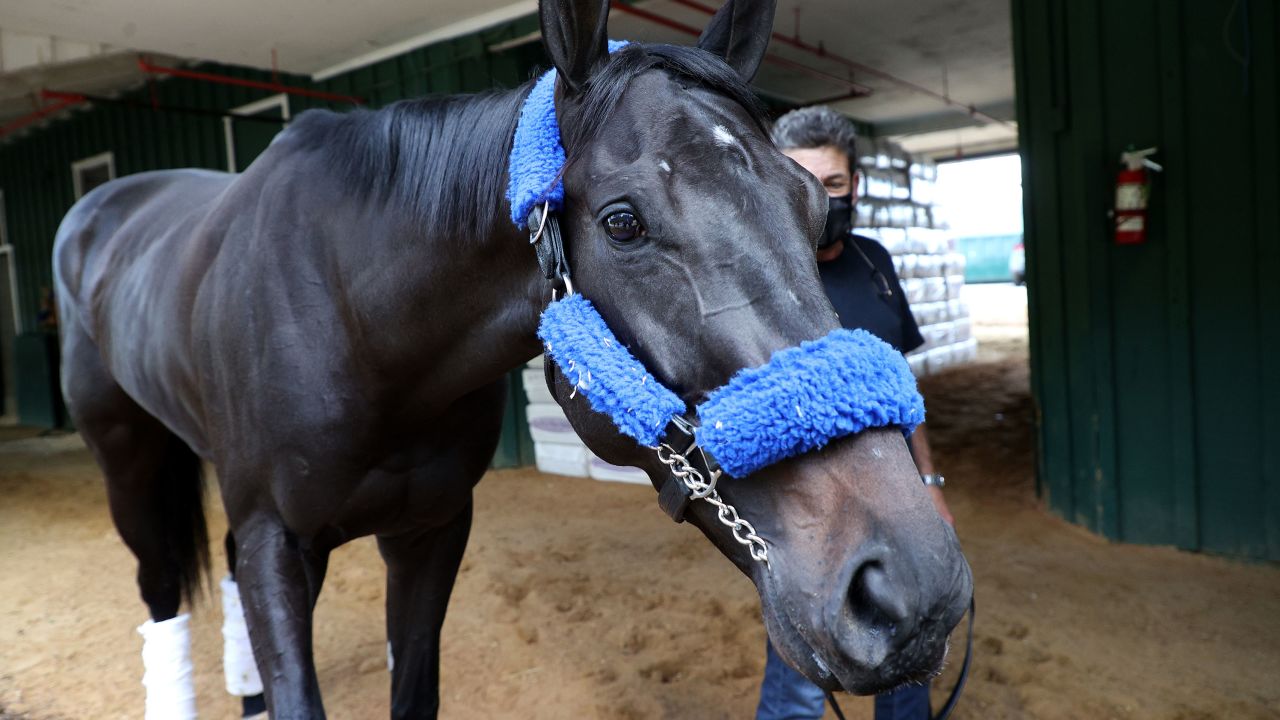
(1133, 190)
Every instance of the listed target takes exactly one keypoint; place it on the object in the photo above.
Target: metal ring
(542, 224)
(709, 487)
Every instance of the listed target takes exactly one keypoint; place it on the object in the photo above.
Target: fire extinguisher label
(1131, 196)
(1130, 224)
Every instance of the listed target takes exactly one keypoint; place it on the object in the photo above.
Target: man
(858, 275)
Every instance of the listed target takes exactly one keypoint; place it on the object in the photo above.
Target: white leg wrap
(166, 659)
(237, 653)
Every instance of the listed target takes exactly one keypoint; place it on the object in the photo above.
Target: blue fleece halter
(802, 399)
(537, 157)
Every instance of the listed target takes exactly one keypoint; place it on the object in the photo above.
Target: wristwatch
(933, 479)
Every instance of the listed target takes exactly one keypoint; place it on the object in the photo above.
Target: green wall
(35, 168)
(1155, 367)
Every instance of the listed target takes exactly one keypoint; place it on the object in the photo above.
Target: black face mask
(839, 220)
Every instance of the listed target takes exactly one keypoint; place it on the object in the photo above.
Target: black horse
(331, 330)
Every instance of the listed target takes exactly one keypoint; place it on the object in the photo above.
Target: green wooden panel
(515, 444)
(1224, 311)
(413, 74)
(1132, 113)
(1177, 196)
(1039, 44)
(35, 362)
(251, 138)
(1266, 188)
(1153, 365)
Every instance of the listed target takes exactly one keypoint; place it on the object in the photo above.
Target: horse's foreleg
(279, 578)
(421, 568)
(239, 668)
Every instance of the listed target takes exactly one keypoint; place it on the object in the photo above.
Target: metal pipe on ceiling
(854, 89)
(137, 105)
(147, 67)
(822, 52)
(36, 116)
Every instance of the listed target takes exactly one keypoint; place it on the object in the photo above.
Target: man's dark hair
(817, 126)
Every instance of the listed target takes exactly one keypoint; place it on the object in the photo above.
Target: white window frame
(275, 101)
(7, 249)
(107, 158)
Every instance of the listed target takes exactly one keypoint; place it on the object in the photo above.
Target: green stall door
(249, 135)
(39, 397)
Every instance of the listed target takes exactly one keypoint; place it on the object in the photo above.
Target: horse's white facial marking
(723, 136)
(665, 167)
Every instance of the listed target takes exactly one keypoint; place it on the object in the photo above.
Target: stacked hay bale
(896, 207)
(557, 448)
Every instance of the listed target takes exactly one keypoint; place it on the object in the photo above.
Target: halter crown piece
(801, 399)
(537, 157)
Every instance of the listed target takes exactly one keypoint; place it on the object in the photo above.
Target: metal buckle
(690, 480)
(551, 256)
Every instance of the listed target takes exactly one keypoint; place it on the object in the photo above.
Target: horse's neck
(449, 293)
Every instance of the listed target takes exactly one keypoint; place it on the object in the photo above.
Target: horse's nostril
(875, 603)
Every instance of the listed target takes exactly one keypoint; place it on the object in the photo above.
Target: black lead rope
(835, 706)
(954, 697)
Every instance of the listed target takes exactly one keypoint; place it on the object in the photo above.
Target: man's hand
(940, 503)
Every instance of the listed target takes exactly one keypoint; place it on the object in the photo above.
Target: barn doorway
(246, 138)
(981, 201)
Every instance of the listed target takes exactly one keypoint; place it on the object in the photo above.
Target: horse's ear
(573, 31)
(739, 32)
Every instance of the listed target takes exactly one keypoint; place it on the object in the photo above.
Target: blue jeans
(786, 695)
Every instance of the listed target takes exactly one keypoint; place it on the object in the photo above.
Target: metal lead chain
(700, 488)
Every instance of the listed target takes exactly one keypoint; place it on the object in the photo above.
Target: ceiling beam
(483, 21)
(1003, 110)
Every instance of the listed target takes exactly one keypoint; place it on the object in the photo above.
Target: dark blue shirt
(858, 293)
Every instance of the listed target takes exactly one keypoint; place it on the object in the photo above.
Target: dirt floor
(579, 599)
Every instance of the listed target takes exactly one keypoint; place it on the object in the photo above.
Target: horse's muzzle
(884, 623)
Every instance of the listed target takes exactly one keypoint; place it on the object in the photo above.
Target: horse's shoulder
(92, 230)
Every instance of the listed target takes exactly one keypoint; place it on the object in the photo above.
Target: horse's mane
(690, 65)
(443, 160)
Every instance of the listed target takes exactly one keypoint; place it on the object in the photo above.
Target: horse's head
(695, 239)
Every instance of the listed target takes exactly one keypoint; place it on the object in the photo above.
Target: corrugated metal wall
(35, 169)
(1155, 366)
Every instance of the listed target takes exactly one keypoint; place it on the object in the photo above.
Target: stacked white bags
(557, 448)
(896, 208)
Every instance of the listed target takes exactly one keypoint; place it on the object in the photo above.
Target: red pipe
(242, 82)
(855, 65)
(59, 95)
(857, 90)
(43, 112)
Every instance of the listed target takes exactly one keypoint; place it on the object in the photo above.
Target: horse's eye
(623, 226)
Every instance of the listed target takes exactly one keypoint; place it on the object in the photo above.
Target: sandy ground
(579, 599)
